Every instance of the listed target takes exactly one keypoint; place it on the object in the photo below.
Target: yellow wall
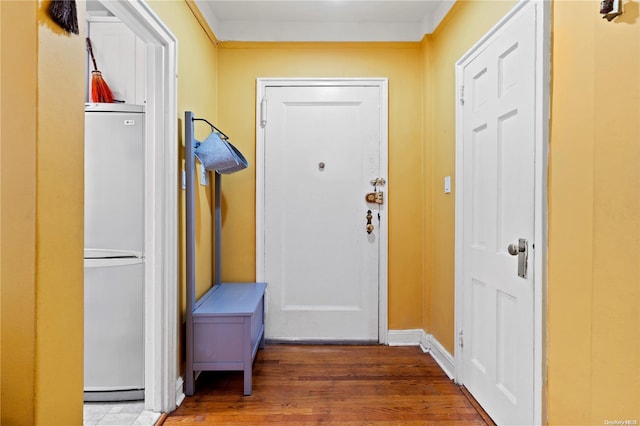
(428, 112)
(18, 209)
(42, 236)
(1, 240)
(594, 222)
(197, 81)
(59, 230)
(240, 64)
(197, 92)
(1, 192)
(465, 24)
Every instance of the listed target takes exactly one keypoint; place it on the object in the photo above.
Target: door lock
(369, 224)
(375, 197)
(522, 251)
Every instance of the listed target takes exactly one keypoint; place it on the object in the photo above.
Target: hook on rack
(216, 153)
(225, 137)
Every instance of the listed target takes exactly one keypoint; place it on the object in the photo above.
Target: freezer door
(113, 321)
(114, 180)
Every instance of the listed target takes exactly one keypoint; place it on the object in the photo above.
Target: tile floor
(118, 413)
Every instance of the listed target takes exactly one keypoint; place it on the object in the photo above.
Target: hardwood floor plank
(313, 384)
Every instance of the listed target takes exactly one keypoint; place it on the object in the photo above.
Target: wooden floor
(306, 385)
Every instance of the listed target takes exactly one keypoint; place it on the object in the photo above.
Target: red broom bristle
(100, 91)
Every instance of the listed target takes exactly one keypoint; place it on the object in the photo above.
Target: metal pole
(218, 228)
(189, 165)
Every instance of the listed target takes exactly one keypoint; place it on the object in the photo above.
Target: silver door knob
(522, 251)
(515, 249)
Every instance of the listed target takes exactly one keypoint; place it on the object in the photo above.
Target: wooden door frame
(541, 141)
(382, 84)
(163, 385)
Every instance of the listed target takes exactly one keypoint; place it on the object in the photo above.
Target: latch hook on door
(376, 196)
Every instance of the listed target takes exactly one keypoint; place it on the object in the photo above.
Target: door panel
(321, 151)
(498, 198)
(114, 324)
(114, 180)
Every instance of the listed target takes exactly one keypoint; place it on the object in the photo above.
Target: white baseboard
(179, 391)
(428, 344)
(445, 360)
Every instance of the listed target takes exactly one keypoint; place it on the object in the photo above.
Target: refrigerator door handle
(112, 262)
(93, 253)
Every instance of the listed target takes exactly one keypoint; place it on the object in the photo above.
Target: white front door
(498, 176)
(321, 151)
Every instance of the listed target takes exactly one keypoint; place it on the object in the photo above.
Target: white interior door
(498, 177)
(321, 150)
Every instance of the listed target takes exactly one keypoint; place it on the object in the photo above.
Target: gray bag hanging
(217, 153)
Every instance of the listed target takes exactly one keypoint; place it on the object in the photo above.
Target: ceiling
(326, 20)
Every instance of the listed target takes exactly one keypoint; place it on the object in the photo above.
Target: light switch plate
(447, 184)
(204, 177)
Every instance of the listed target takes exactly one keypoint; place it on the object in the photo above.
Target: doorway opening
(163, 388)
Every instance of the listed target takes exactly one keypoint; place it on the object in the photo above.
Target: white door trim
(382, 84)
(161, 202)
(542, 114)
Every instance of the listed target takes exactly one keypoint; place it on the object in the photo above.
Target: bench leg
(247, 378)
(190, 383)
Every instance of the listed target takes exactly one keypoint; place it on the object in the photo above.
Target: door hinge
(263, 112)
(461, 95)
(461, 338)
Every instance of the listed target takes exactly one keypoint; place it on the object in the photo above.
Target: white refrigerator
(114, 252)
